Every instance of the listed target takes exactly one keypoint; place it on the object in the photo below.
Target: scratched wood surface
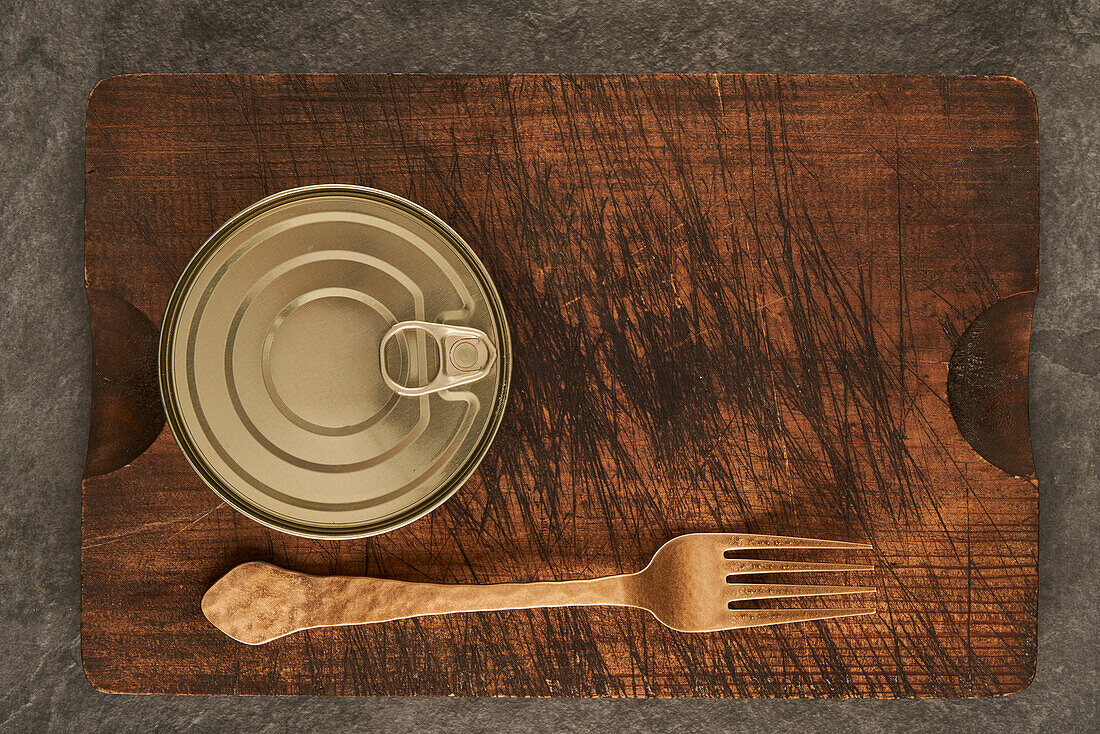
(733, 300)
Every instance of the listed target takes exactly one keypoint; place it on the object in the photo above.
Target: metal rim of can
(168, 391)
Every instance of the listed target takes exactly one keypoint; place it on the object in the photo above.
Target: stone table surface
(53, 53)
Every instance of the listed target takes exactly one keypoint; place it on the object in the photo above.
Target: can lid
(334, 361)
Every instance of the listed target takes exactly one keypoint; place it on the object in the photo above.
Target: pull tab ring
(465, 355)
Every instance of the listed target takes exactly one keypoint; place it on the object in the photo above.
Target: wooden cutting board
(733, 299)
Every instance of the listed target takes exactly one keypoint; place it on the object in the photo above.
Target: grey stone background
(52, 53)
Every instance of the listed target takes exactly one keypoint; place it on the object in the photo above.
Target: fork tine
(755, 565)
(746, 541)
(742, 618)
(742, 592)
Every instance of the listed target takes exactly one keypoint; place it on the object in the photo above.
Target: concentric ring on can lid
(334, 361)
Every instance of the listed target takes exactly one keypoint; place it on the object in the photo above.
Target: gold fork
(690, 585)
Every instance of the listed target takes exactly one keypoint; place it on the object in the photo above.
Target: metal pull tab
(465, 355)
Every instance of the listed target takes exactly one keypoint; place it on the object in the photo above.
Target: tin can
(334, 361)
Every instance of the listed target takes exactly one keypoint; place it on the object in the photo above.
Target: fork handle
(381, 600)
(258, 602)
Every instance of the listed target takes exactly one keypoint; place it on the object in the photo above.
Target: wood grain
(733, 301)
